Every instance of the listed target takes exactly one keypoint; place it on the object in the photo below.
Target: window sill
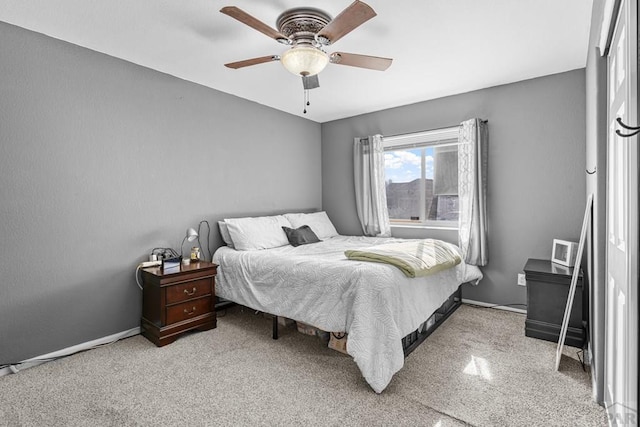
(425, 227)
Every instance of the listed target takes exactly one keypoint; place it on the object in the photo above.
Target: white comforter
(316, 284)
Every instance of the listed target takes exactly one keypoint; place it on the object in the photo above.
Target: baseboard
(498, 307)
(35, 361)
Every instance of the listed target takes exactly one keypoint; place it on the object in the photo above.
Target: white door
(621, 341)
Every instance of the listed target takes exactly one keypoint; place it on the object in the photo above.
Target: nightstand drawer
(188, 290)
(188, 310)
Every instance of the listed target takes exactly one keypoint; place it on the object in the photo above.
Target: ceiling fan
(307, 30)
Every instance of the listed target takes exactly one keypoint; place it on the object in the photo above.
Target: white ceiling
(440, 47)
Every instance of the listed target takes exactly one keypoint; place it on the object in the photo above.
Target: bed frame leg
(274, 333)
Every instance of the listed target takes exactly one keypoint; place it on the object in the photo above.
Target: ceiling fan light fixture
(304, 60)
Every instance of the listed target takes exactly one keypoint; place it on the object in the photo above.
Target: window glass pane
(445, 184)
(403, 172)
(422, 184)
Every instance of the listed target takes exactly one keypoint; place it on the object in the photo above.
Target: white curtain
(371, 193)
(472, 190)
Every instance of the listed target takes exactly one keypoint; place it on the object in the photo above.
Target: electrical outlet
(522, 280)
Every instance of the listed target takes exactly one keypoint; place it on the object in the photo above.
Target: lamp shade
(304, 60)
(191, 234)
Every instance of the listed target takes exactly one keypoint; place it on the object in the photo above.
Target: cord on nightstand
(137, 279)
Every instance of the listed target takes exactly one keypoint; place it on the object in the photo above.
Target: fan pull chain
(306, 101)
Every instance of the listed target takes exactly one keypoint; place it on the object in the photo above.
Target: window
(421, 175)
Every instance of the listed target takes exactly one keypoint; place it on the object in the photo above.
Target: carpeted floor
(477, 369)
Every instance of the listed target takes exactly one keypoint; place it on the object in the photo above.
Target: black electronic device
(171, 263)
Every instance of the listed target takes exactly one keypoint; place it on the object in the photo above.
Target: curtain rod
(428, 130)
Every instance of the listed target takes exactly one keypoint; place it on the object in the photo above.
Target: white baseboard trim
(498, 307)
(35, 361)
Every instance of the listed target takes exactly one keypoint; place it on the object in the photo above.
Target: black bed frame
(415, 338)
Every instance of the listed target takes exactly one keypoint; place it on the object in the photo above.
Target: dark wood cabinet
(177, 300)
(547, 292)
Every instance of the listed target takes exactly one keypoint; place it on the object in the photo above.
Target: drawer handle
(190, 293)
(187, 312)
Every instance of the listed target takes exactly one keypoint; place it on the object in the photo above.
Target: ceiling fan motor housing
(301, 24)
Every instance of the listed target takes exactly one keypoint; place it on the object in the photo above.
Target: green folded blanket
(416, 258)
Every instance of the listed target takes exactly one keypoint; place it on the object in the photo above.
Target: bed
(376, 304)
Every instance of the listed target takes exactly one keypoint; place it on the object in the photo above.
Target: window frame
(430, 138)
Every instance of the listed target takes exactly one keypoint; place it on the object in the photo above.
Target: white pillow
(318, 221)
(262, 232)
(224, 232)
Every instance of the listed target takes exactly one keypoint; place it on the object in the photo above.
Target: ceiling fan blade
(310, 82)
(362, 61)
(252, 61)
(254, 23)
(349, 19)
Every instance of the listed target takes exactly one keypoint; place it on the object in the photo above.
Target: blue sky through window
(404, 165)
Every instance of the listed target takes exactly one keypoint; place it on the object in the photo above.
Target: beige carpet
(477, 369)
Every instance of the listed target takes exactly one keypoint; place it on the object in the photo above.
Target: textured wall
(101, 161)
(536, 169)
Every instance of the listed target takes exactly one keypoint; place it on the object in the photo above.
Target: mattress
(375, 303)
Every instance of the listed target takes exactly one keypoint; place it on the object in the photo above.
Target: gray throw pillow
(301, 235)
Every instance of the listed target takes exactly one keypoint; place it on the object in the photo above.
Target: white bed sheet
(316, 284)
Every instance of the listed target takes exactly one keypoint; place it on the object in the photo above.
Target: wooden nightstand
(177, 300)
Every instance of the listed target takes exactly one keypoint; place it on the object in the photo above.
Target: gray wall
(536, 169)
(101, 161)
